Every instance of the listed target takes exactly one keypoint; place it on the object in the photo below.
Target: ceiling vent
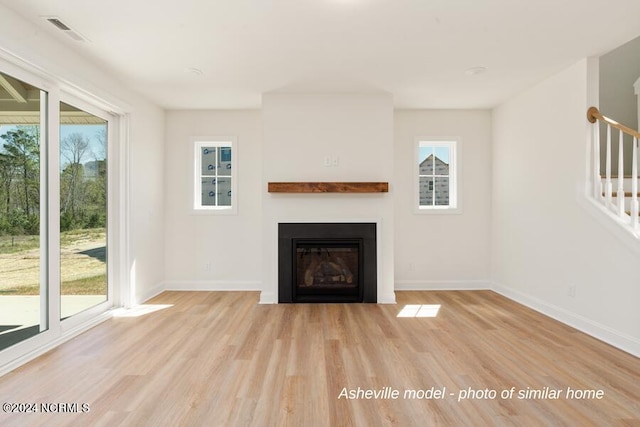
(65, 28)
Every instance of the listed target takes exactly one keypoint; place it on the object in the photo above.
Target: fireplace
(327, 262)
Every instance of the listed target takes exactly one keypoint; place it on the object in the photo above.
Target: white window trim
(455, 175)
(196, 202)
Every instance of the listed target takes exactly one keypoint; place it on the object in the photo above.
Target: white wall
(146, 192)
(543, 241)
(32, 45)
(443, 251)
(300, 130)
(230, 244)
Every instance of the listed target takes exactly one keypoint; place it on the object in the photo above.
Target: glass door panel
(23, 275)
(83, 210)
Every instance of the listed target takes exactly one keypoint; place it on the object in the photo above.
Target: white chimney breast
(299, 132)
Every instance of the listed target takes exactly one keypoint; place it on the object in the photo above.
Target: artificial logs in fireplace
(322, 266)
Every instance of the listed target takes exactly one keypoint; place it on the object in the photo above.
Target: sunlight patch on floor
(419, 310)
(140, 310)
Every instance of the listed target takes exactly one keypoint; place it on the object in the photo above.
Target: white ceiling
(416, 50)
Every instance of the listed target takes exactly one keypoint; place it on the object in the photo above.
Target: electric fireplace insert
(327, 262)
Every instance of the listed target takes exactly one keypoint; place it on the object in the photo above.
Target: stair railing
(603, 186)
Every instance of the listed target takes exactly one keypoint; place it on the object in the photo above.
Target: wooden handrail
(593, 115)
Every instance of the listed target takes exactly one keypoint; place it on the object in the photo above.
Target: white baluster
(621, 175)
(634, 185)
(597, 180)
(608, 187)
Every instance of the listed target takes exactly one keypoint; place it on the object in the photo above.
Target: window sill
(215, 211)
(438, 211)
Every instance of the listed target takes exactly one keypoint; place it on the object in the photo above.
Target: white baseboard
(271, 298)
(442, 285)
(150, 293)
(604, 333)
(268, 298)
(389, 298)
(212, 285)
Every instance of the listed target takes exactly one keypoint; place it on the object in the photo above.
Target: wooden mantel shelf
(328, 187)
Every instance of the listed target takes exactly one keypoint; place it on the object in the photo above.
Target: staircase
(615, 193)
(626, 194)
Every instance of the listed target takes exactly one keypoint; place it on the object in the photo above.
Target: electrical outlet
(572, 291)
(331, 161)
(207, 266)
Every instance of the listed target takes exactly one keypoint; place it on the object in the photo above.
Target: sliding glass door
(23, 211)
(83, 210)
(55, 193)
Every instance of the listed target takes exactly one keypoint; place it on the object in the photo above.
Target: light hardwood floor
(220, 359)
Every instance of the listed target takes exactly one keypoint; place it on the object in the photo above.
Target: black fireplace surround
(327, 262)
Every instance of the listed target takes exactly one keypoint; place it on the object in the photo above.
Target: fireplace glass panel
(327, 266)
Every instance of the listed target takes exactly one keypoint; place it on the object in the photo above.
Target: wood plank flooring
(221, 359)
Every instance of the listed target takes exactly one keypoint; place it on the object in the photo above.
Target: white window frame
(455, 175)
(113, 220)
(198, 144)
